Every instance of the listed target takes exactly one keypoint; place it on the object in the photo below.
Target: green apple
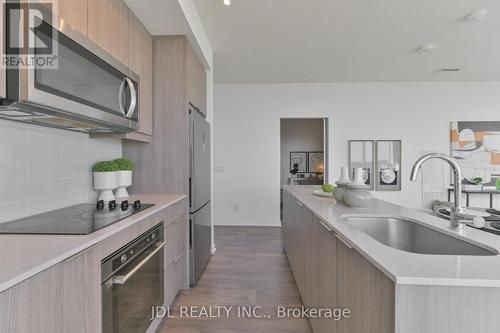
(328, 188)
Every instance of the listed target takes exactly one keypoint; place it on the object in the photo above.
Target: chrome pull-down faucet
(458, 218)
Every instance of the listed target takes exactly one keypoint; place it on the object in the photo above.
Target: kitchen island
(337, 265)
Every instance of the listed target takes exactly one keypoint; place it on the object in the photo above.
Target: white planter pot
(106, 182)
(124, 181)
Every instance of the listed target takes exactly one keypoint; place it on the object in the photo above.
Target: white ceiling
(263, 41)
(160, 17)
(174, 17)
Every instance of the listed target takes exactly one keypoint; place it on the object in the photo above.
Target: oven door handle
(122, 279)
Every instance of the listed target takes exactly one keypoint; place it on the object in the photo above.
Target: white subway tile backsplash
(40, 205)
(113, 155)
(42, 169)
(20, 191)
(29, 154)
(104, 144)
(12, 133)
(82, 155)
(13, 210)
(50, 171)
(77, 184)
(71, 170)
(13, 173)
(56, 138)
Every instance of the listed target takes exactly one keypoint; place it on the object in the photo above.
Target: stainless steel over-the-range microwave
(88, 91)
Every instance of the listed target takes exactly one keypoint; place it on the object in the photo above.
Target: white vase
(344, 175)
(356, 198)
(106, 182)
(124, 181)
(358, 177)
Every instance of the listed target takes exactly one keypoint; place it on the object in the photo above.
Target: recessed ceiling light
(476, 16)
(227, 2)
(449, 70)
(427, 48)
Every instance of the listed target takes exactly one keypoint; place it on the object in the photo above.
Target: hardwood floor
(249, 269)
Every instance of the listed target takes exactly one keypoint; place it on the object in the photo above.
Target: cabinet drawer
(175, 277)
(175, 236)
(172, 213)
(165, 216)
(179, 209)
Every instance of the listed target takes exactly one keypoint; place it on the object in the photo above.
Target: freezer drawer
(200, 242)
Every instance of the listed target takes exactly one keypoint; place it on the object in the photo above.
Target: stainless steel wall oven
(133, 283)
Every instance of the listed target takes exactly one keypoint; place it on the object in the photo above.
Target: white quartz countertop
(22, 256)
(401, 266)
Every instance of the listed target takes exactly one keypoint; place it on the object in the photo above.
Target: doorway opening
(304, 152)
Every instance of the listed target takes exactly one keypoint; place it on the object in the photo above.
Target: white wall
(247, 136)
(42, 169)
(299, 135)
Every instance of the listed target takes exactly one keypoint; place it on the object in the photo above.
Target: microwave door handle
(120, 96)
(133, 98)
(122, 279)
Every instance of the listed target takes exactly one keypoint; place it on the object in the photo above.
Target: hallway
(248, 269)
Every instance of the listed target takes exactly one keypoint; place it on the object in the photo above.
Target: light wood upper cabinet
(74, 13)
(141, 62)
(108, 27)
(196, 80)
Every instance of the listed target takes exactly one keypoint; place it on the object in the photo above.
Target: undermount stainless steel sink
(410, 236)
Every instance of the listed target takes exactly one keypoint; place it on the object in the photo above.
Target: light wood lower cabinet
(331, 274)
(366, 291)
(67, 296)
(64, 298)
(175, 237)
(175, 277)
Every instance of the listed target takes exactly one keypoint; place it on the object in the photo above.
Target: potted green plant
(498, 184)
(478, 181)
(125, 167)
(105, 179)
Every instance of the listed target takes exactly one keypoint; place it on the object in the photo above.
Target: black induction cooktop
(80, 219)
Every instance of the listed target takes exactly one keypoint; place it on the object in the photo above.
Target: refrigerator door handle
(190, 233)
(190, 193)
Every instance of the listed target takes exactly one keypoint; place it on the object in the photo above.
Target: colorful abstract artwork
(476, 146)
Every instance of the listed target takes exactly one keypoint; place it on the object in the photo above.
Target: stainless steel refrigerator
(199, 193)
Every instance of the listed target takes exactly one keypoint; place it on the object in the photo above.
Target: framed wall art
(388, 165)
(298, 162)
(476, 147)
(315, 162)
